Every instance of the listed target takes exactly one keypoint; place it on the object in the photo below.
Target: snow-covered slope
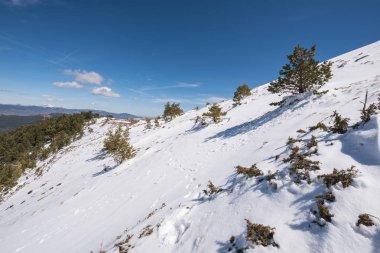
(83, 202)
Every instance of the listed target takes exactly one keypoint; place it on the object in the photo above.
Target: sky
(134, 55)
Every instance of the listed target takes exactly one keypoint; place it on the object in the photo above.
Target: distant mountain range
(22, 110)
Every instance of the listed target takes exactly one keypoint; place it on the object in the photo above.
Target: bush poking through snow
(259, 234)
(118, 146)
(241, 92)
(279, 103)
(215, 113)
(271, 176)
(320, 93)
(312, 143)
(252, 171)
(323, 211)
(328, 196)
(346, 177)
(301, 131)
(365, 219)
(368, 112)
(319, 125)
(147, 231)
(300, 165)
(340, 124)
(292, 141)
(212, 189)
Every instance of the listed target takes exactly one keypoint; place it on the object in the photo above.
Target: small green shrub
(368, 112)
(292, 141)
(365, 219)
(320, 93)
(340, 124)
(323, 211)
(328, 196)
(259, 234)
(117, 144)
(279, 103)
(212, 189)
(346, 177)
(240, 93)
(271, 176)
(215, 113)
(300, 165)
(252, 171)
(319, 125)
(147, 231)
(312, 143)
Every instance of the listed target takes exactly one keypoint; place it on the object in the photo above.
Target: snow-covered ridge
(79, 206)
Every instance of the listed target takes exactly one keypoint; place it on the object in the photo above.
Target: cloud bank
(72, 84)
(85, 77)
(105, 91)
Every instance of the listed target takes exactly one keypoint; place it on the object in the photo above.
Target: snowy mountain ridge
(154, 202)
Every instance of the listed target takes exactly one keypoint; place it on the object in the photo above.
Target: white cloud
(85, 76)
(68, 84)
(105, 91)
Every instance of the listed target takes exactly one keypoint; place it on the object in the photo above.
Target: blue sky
(132, 56)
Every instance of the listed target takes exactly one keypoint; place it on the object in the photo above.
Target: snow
(84, 202)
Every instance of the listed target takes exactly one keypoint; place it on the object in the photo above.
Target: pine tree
(171, 111)
(240, 93)
(215, 112)
(117, 144)
(302, 74)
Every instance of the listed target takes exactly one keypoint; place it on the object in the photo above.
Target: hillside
(155, 202)
(9, 122)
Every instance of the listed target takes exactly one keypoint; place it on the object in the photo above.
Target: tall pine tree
(302, 74)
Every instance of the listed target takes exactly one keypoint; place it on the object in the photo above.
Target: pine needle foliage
(171, 111)
(118, 146)
(301, 165)
(365, 219)
(241, 92)
(252, 171)
(340, 125)
(324, 212)
(259, 234)
(215, 113)
(302, 74)
(346, 177)
(212, 189)
(319, 125)
(368, 112)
